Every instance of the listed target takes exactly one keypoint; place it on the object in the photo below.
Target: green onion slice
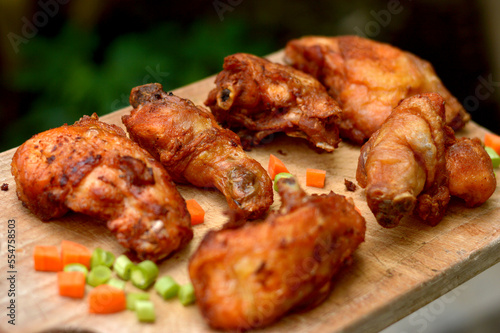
(279, 176)
(76, 267)
(144, 274)
(186, 294)
(145, 311)
(98, 275)
(101, 257)
(495, 158)
(123, 267)
(133, 297)
(166, 287)
(117, 283)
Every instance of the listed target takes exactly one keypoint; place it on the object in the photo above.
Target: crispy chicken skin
(403, 165)
(259, 97)
(93, 168)
(194, 149)
(249, 277)
(368, 79)
(471, 175)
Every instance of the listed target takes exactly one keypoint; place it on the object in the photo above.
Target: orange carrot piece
(315, 177)
(196, 211)
(72, 252)
(275, 166)
(71, 284)
(47, 258)
(493, 141)
(107, 299)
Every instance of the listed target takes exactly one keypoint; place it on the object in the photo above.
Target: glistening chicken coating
(251, 276)
(93, 168)
(471, 175)
(368, 79)
(187, 140)
(257, 98)
(403, 165)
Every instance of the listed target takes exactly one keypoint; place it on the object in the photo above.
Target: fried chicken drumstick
(93, 168)
(194, 149)
(257, 98)
(368, 79)
(403, 165)
(249, 277)
(413, 163)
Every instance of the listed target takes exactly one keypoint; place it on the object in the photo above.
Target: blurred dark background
(61, 59)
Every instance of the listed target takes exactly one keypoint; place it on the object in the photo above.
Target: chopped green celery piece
(495, 158)
(166, 287)
(279, 176)
(101, 257)
(123, 266)
(98, 275)
(120, 284)
(133, 297)
(186, 294)
(144, 274)
(97, 257)
(145, 311)
(76, 267)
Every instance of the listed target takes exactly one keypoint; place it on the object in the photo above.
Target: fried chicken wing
(471, 175)
(187, 140)
(368, 79)
(259, 98)
(249, 277)
(93, 168)
(403, 165)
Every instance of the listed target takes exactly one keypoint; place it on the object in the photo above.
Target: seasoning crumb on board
(4, 187)
(281, 152)
(350, 186)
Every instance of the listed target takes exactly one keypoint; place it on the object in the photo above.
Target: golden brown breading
(471, 175)
(259, 98)
(403, 165)
(369, 79)
(249, 277)
(93, 168)
(187, 140)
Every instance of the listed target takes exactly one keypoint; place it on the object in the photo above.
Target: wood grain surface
(394, 272)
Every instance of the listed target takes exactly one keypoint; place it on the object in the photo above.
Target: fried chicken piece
(369, 79)
(249, 277)
(259, 98)
(194, 149)
(94, 169)
(471, 175)
(403, 165)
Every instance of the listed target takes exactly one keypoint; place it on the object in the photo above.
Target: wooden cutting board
(395, 271)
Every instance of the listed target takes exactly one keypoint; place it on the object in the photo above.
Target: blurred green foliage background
(88, 55)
